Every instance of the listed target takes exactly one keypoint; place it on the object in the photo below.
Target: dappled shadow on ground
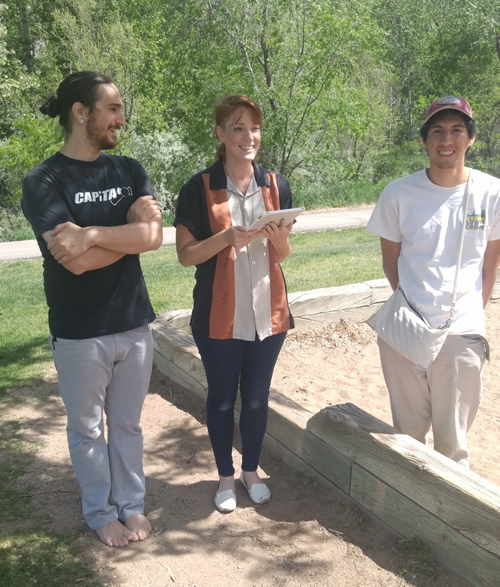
(16, 359)
(306, 535)
(322, 527)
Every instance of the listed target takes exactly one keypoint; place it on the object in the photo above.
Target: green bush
(32, 141)
(14, 227)
(400, 160)
(348, 193)
(166, 159)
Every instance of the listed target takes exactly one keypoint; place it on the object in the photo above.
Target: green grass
(331, 258)
(344, 193)
(319, 259)
(419, 560)
(38, 557)
(170, 285)
(34, 555)
(31, 555)
(24, 349)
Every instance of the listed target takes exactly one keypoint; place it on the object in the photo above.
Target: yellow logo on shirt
(476, 220)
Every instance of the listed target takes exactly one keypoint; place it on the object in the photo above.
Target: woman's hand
(193, 252)
(238, 237)
(279, 238)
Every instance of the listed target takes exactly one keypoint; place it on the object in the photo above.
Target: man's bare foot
(116, 534)
(139, 525)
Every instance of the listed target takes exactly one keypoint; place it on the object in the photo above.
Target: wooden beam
(416, 491)
(400, 482)
(410, 519)
(330, 299)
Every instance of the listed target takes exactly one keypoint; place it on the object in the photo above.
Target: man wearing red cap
(419, 220)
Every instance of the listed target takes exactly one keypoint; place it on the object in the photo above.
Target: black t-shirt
(88, 193)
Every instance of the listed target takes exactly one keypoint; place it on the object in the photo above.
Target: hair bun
(51, 107)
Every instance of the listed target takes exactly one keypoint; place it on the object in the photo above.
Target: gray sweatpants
(109, 374)
(447, 395)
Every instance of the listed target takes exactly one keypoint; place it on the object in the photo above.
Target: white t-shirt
(427, 219)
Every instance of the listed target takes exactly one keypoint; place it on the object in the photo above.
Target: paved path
(328, 219)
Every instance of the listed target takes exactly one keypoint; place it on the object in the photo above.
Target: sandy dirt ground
(305, 536)
(339, 364)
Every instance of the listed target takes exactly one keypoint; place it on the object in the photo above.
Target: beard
(98, 137)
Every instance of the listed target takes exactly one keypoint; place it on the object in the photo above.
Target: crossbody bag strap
(460, 250)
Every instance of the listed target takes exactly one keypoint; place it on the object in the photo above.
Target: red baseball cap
(449, 103)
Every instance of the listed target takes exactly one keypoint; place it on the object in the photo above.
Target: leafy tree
(295, 58)
(440, 48)
(167, 161)
(343, 84)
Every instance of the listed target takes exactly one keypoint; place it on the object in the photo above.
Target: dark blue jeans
(229, 363)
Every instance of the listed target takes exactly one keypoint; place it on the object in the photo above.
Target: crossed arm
(83, 249)
(191, 251)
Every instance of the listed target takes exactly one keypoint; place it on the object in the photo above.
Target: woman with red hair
(240, 315)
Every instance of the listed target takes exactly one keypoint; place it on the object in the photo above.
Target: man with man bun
(93, 214)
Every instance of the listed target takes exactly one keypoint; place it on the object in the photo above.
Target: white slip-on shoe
(258, 492)
(225, 500)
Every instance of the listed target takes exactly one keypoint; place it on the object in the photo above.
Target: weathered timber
(354, 314)
(410, 519)
(179, 318)
(176, 355)
(329, 299)
(460, 498)
(290, 458)
(287, 425)
(357, 302)
(381, 290)
(416, 491)
(398, 481)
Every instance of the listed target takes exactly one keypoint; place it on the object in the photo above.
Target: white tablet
(277, 216)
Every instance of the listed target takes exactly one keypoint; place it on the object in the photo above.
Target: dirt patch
(305, 536)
